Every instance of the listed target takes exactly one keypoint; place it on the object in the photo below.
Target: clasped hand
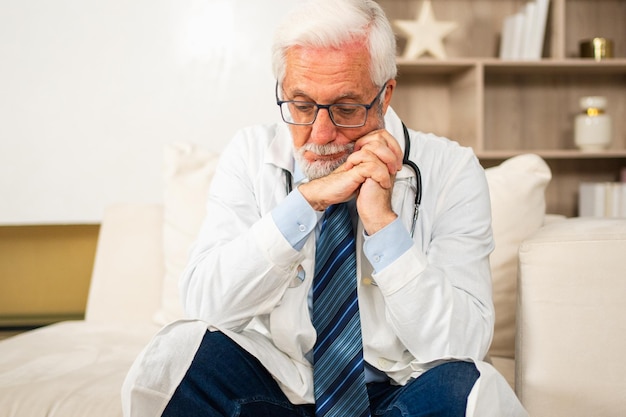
(368, 174)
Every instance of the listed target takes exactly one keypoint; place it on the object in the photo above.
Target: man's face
(328, 76)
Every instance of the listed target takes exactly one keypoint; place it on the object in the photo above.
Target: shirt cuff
(387, 245)
(296, 219)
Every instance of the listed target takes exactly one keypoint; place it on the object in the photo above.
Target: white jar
(593, 130)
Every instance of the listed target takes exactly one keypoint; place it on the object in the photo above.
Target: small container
(596, 48)
(593, 131)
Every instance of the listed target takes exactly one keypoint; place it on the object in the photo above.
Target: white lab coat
(430, 305)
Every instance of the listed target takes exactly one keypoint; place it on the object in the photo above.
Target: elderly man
(338, 272)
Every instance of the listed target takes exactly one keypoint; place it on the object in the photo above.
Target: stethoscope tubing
(406, 160)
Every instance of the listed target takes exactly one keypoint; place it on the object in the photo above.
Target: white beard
(318, 169)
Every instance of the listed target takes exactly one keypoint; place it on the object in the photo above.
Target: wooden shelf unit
(505, 108)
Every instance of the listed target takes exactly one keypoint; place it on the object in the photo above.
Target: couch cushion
(127, 277)
(187, 174)
(572, 329)
(517, 188)
(69, 369)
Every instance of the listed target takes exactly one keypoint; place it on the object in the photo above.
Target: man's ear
(391, 85)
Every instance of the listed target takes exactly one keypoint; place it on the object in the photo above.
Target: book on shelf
(602, 199)
(529, 26)
(523, 32)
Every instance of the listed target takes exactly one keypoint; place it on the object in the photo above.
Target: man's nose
(323, 130)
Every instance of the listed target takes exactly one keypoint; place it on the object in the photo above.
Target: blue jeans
(225, 380)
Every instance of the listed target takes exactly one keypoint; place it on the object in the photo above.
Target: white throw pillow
(187, 174)
(517, 189)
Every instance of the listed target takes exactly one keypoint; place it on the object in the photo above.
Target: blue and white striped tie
(338, 371)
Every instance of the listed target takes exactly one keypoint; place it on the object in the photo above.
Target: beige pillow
(187, 174)
(517, 189)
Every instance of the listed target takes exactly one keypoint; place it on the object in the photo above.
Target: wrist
(377, 223)
(308, 192)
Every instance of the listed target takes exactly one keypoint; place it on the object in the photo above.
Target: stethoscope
(405, 161)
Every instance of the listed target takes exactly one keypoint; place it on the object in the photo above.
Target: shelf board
(560, 66)
(553, 154)
(434, 66)
(495, 65)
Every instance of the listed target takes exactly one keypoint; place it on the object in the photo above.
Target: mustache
(327, 149)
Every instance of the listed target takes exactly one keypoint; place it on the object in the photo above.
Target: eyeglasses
(304, 113)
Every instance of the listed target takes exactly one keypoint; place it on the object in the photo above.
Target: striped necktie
(338, 371)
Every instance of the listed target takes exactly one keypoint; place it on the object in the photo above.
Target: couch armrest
(128, 269)
(571, 326)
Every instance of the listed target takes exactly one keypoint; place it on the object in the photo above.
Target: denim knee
(441, 391)
(226, 380)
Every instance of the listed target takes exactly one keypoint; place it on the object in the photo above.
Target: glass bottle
(592, 130)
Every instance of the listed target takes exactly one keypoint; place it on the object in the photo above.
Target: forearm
(431, 313)
(240, 264)
(228, 283)
(437, 290)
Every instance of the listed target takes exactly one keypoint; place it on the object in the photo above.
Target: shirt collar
(298, 175)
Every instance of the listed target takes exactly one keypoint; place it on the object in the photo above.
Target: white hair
(331, 24)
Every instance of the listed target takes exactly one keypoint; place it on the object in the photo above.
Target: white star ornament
(425, 35)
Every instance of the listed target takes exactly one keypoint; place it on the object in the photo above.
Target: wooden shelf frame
(506, 108)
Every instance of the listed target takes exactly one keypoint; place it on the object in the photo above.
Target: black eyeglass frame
(328, 108)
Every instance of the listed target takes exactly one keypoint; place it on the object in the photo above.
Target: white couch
(567, 343)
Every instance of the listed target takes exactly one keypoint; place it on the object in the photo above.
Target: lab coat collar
(280, 149)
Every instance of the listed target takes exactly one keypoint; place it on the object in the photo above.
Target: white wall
(90, 90)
